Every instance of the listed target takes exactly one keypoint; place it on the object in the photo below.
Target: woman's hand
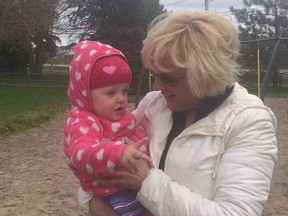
(130, 180)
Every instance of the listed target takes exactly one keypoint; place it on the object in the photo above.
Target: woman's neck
(190, 116)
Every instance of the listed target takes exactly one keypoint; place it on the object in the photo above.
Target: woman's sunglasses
(166, 79)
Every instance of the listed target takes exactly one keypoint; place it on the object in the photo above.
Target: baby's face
(110, 102)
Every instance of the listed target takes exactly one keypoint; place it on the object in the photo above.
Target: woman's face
(179, 96)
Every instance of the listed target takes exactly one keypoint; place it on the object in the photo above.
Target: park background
(34, 70)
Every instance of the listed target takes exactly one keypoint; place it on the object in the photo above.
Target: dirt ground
(35, 180)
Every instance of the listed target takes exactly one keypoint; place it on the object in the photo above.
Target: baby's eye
(110, 93)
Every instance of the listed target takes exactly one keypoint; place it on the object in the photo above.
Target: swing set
(268, 75)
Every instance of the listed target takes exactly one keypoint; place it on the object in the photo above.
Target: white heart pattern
(84, 130)
(118, 143)
(72, 86)
(87, 66)
(131, 125)
(84, 93)
(68, 139)
(111, 166)
(78, 75)
(115, 126)
(78, 58)
(92, 52)
(95, 126)
(91, 118)
(84, 45)
(89, 168)
(109, 69)
(99, 154)
(95, 145)
(79, 154)
(76, 121)
(68, 121)
(80, 103)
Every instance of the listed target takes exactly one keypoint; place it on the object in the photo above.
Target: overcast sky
(221, 6)
(200, 4)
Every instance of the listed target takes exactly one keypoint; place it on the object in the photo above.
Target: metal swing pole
(258, 70)
(207, 4)
(269, 71)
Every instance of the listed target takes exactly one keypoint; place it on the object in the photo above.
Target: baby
(98, 124)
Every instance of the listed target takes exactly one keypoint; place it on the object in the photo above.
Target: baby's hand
(132, 153)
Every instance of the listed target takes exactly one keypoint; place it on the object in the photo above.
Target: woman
(213, 144)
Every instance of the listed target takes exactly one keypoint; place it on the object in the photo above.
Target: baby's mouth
(119, 109)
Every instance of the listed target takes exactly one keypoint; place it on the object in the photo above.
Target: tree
(261, 19)
(120, 23)
(27, 28)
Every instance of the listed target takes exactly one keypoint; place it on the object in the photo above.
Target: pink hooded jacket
(94, 145)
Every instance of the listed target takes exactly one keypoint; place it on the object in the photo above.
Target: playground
(35, 180)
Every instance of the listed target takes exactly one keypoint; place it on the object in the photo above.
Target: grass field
(280, 92)
(26, 107)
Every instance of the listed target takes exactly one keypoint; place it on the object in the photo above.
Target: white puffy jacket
(220, 165)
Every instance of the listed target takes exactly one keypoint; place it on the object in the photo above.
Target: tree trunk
(36, 60)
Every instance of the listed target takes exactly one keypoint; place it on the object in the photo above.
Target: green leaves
(261, 19)
(120, 23)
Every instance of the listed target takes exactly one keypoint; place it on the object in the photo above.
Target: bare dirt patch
(35, 180)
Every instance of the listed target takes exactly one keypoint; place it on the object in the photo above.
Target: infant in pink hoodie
(99, 122)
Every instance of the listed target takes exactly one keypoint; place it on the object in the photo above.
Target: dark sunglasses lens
(168, 80)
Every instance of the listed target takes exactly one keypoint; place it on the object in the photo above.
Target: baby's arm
(100, 208)
(90, 155)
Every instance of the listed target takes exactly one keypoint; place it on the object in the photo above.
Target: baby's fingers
(138, 144)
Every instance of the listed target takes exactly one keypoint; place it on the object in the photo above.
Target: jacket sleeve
(90, 156)
(243, 179)
(145, 104)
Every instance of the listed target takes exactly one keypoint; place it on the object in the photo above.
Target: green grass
(26, 107)
(279, 92)
(58, 78)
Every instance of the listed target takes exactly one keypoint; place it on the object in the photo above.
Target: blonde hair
(205, 44)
